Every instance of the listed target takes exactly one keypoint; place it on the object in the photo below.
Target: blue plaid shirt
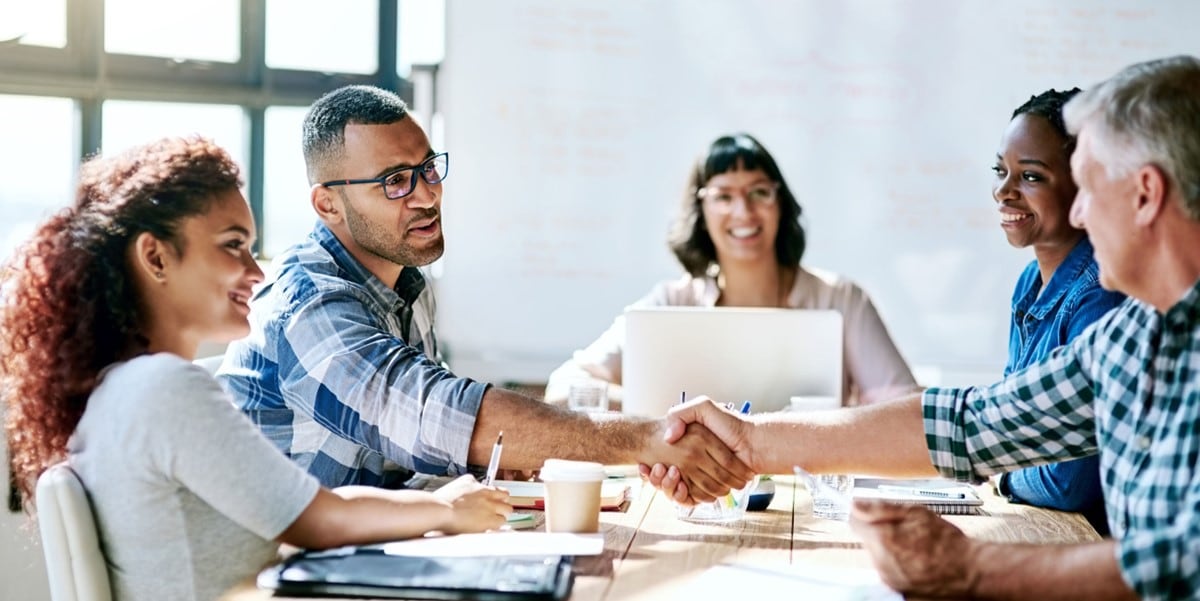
(341, 372)
(1129, 388)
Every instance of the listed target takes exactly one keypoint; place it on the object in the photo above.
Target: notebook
(532, 495)
(369, 572)
(765, 356)
(941, 496)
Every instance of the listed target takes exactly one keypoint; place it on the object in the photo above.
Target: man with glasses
(341, 369)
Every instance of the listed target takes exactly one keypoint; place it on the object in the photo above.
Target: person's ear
(151, 257)
(1151, 194)
(326, 203)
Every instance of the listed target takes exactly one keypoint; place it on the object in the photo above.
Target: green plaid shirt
(1129, 388)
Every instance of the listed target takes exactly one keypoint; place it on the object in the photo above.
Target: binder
(369, 572)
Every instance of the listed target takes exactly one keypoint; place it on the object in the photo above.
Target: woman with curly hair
(738, 237)
(103, 311)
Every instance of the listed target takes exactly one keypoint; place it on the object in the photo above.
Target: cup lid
(562, 470)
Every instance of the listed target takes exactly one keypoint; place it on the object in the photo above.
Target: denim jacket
(1071, 302)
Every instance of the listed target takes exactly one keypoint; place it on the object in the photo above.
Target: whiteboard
(572, 125)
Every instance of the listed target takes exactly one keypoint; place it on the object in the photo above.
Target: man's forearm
(534, 431)
(1049, 572)
(886, 439)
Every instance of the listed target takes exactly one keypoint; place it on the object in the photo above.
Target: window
(207, 31)
(422, 39)
(315, 35)
(287, 215)
(37, 163)
(41, 23)
(129, 123)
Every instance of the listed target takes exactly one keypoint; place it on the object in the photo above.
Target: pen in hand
(494, 462)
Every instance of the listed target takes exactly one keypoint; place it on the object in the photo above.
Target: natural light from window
(37, 163)
(41, 23)
(314, 35)
(204, 31)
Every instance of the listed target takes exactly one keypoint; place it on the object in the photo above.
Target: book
(532, 495)
(940, 496)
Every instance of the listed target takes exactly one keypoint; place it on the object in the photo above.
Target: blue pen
(746, 407)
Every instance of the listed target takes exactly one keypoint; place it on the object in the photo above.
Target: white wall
(571, 125)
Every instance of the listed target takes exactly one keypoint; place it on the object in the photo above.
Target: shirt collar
(1187, 310)
(355, 272)
(1063, 279)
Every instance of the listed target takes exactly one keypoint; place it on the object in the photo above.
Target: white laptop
(730, 354)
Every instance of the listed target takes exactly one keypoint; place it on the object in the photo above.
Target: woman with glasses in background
(739, 238)
(104, 309)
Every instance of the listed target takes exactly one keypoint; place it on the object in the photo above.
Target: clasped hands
(915, 550)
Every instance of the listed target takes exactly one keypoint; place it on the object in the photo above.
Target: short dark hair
(689, 238)
(1049, 106)
(324, 138)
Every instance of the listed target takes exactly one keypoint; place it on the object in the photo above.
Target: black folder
(368, 572)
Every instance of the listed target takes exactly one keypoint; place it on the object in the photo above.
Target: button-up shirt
(1043, 319)
(1128, 387)
(341, 371)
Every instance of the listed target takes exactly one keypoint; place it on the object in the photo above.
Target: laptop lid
(731, 354)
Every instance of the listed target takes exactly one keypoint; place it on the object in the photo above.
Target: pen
(494, 463)
(921, 492)
(745, 407)
(682, 397)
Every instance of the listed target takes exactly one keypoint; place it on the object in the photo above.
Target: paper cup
(572, 495)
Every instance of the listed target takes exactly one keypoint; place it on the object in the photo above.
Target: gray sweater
(188, 495)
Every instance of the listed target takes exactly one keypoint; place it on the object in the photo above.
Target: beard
(391, 245)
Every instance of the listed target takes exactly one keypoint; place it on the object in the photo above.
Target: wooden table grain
(651, 554)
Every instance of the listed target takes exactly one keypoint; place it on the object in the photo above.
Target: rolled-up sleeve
(342, 367)
(1035, 416)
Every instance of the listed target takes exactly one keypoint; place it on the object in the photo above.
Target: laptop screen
(765, 356)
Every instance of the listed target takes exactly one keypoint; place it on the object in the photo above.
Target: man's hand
(731, 428)
(915, 550)
(709, 468)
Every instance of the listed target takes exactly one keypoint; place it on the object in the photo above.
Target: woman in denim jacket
(1058, 295)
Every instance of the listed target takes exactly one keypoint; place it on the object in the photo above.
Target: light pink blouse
(875, 370)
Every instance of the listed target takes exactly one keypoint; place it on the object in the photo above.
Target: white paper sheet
(500, 544)
(796, 581)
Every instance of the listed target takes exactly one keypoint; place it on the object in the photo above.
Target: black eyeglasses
(402, 182)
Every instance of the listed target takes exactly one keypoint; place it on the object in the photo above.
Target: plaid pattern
(1131, 382)
(341, 372)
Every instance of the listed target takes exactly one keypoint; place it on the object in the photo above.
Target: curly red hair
(70, 308)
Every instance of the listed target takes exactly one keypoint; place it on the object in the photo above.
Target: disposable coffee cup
(572, 495)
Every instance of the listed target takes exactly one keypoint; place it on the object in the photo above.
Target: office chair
(74, 561)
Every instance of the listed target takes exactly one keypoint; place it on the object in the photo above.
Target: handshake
(703, 453)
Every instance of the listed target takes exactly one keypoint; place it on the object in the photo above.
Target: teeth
(744, 232)
(1010, 217)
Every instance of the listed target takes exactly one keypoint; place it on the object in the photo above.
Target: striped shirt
(1129, 388)
(341, 372)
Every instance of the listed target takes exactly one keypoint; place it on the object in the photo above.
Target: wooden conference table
(650, 554)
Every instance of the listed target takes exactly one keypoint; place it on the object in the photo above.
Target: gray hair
(1149, 113)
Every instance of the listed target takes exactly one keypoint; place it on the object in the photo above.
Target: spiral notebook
(941, 496)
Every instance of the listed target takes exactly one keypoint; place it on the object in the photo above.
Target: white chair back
(74, 560)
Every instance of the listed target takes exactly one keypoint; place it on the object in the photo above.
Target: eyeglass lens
(401, 182)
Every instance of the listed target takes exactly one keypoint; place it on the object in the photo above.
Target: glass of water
(831, 494)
